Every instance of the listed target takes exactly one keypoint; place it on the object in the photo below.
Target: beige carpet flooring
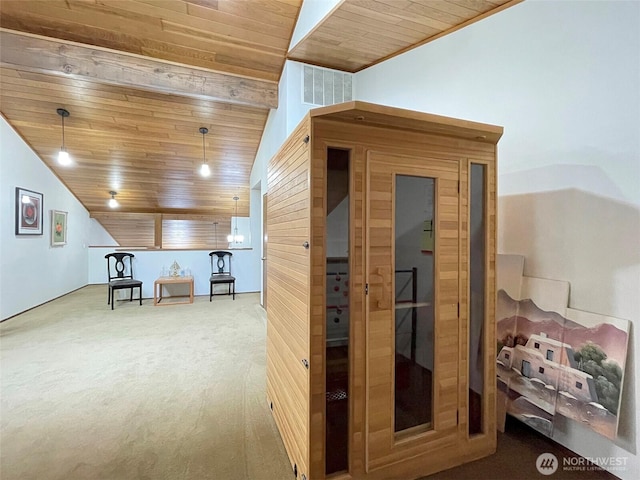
(141, 392)
(176, 393)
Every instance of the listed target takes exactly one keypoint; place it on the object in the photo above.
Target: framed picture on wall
(58, 228)
(28, 212)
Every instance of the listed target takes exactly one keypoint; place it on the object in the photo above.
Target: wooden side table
(157, 289)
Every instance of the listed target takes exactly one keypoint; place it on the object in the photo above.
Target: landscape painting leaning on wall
(558, 361)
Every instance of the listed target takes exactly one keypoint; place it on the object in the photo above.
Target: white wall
(243, 225)
(563, 79)
(311, 13)
(274, 134)
(255, 212)
(296, 110)
(272, 137)
(280, 123)
(98, 236)
(32, 271)
(148, 265)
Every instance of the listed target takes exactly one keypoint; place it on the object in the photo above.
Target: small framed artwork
(58, 228)
(28, 212)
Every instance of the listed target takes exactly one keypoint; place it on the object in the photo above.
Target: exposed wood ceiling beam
(174, 213)
(40, 54)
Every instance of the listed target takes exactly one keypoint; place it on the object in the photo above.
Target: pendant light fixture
(204, 168)
(63, 155)
(235, 238)
(113, 203)
(215, 233)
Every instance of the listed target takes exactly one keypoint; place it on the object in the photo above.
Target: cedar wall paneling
(178, 231)
(317, 318)
(288, 222)
(195, 231)
(296, 212)
(128, 229)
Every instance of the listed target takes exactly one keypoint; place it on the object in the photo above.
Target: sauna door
(412, 272)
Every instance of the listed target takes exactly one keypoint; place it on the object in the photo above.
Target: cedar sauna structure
(381, 227)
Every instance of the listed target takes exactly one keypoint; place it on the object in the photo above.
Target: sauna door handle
(384, 301)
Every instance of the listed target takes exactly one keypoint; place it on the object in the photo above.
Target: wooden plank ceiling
(140, 77)
(360, 33)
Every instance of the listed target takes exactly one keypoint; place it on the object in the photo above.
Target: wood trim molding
(40, 54)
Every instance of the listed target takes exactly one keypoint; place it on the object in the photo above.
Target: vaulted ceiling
(360, 33)
(140, 77)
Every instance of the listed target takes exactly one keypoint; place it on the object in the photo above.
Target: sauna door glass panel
(337, 312)
(477, 291)
(414, 249)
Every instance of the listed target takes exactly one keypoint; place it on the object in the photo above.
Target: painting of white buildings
(556, 360)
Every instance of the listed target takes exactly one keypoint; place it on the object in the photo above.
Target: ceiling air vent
(326, 87)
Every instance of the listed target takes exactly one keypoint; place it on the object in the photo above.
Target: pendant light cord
(235, 230)
(62, 132)
(204, 154)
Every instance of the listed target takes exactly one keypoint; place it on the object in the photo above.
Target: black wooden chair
(221, 272)
(120, 272)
